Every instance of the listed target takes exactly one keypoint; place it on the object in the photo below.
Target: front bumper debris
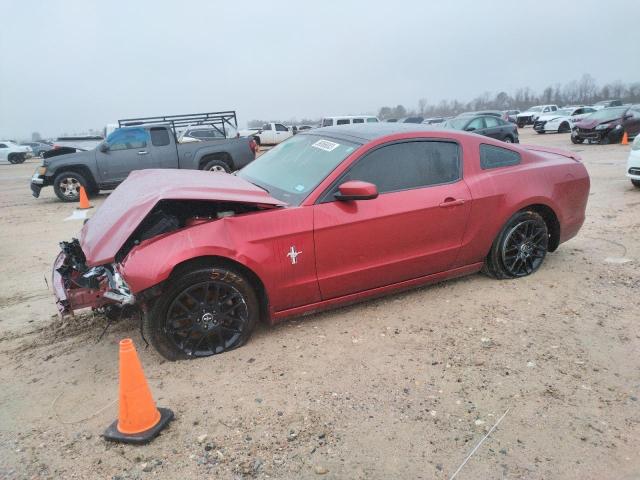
(77, 286)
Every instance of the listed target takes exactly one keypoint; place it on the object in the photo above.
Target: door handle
(451, 202)
(142, 152)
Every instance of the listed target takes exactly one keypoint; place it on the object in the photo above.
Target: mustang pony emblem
(293, 255)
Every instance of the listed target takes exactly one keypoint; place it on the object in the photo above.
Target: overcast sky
(67, 66)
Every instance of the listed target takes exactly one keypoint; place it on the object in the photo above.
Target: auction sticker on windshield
(326, 145)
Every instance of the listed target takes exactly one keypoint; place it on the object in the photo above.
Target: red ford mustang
(330, 216)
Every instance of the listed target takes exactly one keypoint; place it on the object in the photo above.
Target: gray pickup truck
(136, 148)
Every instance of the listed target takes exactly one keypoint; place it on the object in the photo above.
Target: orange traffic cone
(139, 421)
(625, 139)
(84, 199)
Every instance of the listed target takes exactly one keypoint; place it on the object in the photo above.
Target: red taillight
(55, 146)
(253, 146)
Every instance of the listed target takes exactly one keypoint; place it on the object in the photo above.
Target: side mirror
(470, 129)
(356, 190)
(104, 148)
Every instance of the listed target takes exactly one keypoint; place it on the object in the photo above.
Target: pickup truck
(269, 133)
(136, 148)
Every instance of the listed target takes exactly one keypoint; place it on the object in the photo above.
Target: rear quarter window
(495, 157)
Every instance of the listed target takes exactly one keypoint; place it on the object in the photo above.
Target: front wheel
(203, 312)
(636, 183)
(520, 247)
(66, 186)
(508, 139)
(564, 128)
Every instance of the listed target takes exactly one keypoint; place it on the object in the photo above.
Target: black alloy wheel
(203, 312)
(525, 247)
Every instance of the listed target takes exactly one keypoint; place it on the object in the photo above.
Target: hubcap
(525, 247)
(217, 169)
(70, 187)
(206, 318)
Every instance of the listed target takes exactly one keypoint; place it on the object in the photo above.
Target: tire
(636, 183)
(203, 329)
(604, 140)
(217, 166)
(576, 140)
(257, 139)
(508, 139)
(564, 128)
(541, 131)
(512, 256)
(66, 186)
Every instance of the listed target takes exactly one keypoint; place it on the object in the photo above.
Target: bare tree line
(577, 92)
(584, 91)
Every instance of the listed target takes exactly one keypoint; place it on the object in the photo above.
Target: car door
(268, 135)
(282, 133)
(632, 123)
(127, 149)
(4, 151)
(476, 125)
(163, 153)
(412, 229)
(492, 128)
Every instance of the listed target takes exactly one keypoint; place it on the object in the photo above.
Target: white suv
(347, 120)
(531, 114)
(12, 152)
(561, 121)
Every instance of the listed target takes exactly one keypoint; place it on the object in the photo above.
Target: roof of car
(366, 132)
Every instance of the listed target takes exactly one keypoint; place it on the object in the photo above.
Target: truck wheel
(66, 186)
(635, 183)
(217, 166)
(203, 312)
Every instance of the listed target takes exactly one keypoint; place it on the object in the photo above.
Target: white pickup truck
(269, 134)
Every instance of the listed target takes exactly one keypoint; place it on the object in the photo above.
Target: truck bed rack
(218, 120)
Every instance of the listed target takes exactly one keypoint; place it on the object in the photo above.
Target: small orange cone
(139, 421)
(625, 139)
(84, 199)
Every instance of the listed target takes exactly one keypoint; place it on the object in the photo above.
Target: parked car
(270, 133)
(332, 216)
(12, 152)
(487, 125)
(529, 116)
(204, 133)
(434, 120)
(349, 120)
(561, 120)
(493, 113)
(302, 128)
(410, 120)
(608, 125)
(510, 115)
(633, 163)
(136, 148)
(607, 104)
(37, 148)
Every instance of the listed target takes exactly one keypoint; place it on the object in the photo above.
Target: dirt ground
(401, 387)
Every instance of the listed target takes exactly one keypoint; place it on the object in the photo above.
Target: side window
(358, 120)
(327, 122)
(475, 124)
(372, 120)
(494, 157)
(579, 111)
(159, 137)
(554, 108)
(281, 128)
(343, 121)
(491, 122)
(128, 138)
(266, 126)
(2, 145)
(407, 165)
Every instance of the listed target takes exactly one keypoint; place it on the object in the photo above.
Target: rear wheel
(541, 131)
(203, 312)
(636, 183)
(217, 166)
(66, 186)
(508, 139)
(520, 247)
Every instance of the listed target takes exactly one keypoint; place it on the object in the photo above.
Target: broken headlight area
(78, 286)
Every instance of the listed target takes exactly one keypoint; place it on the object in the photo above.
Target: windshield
(534, 109)
(293, 169)
(563, 112)
(457, 123)
(608, 113)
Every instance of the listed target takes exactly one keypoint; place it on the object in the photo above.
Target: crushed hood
(120, 214)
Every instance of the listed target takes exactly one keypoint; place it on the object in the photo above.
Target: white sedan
(633, 163)
(561, 121)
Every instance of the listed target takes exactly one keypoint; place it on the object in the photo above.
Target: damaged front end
(76, 286)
